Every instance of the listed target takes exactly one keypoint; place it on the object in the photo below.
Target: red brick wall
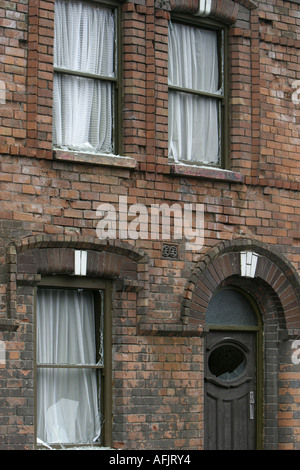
(157, 359)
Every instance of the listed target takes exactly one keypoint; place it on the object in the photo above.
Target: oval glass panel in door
(227, 362)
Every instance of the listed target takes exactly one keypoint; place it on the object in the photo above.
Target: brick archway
(274, 285)
(32, 257)
(251, 265)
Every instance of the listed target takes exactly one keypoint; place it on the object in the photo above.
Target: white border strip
(248, 263)
(204, 8)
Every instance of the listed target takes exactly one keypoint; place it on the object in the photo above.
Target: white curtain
(68, 406)
(193, 120)
(83, 107)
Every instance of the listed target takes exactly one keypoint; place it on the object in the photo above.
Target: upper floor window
(85, 77)
(196, 94)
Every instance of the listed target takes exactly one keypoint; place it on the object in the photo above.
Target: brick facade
(48, 210)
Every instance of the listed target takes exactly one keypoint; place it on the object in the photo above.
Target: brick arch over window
(270, 278)
(31, 258)
(222, 10)
(61, 261)
(48, 255)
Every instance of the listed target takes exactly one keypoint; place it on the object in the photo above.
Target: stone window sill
(196, 171)
(95, 159)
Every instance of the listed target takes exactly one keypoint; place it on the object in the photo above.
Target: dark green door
(230, 391)
(231, 376)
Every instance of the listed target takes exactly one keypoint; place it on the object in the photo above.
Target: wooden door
(230, 390)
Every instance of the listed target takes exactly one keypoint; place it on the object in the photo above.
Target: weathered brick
(158, 374)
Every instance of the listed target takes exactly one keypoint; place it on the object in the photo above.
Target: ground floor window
(70, 360)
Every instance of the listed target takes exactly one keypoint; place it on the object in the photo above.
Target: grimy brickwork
(48, 205)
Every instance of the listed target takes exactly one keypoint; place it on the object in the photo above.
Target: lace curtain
(67, 398)
(193, 119)
(83, 107)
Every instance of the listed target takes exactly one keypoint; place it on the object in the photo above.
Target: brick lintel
(171, 330)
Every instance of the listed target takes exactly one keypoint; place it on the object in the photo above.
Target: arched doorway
(232, 372)
(268, 277)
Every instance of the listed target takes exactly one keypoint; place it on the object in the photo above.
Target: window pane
(230, 308)
(194, 128)
(65, 327)
(67, 406)
(84, 38)
(83, 114)
(83, 107)
(194, 120)
(68, 399)
(193, 58)
(227, 362)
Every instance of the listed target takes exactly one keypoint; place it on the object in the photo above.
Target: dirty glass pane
(229, 307)
(66, 327)
(227, 362)
(68, 381)
(84, 45)
(194, 111)
(67, 403)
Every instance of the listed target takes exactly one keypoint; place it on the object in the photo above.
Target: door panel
(230, 391)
